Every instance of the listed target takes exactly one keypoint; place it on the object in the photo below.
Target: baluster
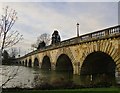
(96, 35)
(90, 36)
(106, 32)
(113, 31)
(103, 33)
(110, 32)
(116, 30)
(100, 34)
(119, 29)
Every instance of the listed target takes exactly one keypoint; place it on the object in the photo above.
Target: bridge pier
(40, 64)
(53, 66)
(117, 73)
(76, 68)
(32, 64)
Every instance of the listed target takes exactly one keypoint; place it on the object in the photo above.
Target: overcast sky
(36, 18)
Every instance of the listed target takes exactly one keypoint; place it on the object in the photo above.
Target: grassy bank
(85, 90)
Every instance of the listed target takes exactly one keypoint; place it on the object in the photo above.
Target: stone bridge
(91, 56)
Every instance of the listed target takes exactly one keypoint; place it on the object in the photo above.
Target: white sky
(35, 18)
(59, 0)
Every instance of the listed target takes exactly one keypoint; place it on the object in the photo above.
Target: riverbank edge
(83, 90)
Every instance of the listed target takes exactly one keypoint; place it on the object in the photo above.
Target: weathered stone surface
(77, 50)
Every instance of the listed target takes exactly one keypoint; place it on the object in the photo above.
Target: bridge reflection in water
(94, 56)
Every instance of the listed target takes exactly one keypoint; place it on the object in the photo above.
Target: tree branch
(7, 22)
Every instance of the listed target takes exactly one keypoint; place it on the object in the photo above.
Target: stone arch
(46, 63)
(17, 62)
(67, 52)
(98, 67)
(104, 46)
(36, 62)
(23, 63)
(20, 62)
(30, 63)
(64, 64)
(26, 62)
(47, 53)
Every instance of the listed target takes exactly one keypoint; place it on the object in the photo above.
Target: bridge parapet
(101, 34)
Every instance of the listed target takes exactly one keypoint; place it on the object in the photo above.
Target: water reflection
(35, 77)
(31, 77)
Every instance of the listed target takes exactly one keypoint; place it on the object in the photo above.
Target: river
(26, 77)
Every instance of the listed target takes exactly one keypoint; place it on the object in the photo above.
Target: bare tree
(13, 52)
(8, 37)
(43, 37)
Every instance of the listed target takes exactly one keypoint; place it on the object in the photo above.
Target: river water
(25, 77)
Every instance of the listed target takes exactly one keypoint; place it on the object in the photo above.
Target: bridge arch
(23, 63)
(30, 63)
(64, 64)
(105, 46)
(26, 62)
(20, 62)
(36, 62)
(17, 62)
(98, 67)
(67, 52)
(46, 64)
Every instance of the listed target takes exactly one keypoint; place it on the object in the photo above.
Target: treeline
(7, 59)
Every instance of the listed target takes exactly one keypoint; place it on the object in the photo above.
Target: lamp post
(77, 29)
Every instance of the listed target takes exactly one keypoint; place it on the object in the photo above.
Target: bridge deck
(94, 36)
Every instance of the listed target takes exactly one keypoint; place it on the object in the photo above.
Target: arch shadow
(46, 64)
(23, 63)
(30, 63)
(26, 63)
(36, 62)
(64, 64)
(20, 63)
(98, 68)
